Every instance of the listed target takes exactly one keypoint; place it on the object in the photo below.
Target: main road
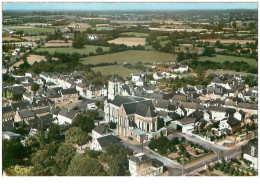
(176, 169)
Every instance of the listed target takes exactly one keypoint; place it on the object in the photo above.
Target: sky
(126, 6)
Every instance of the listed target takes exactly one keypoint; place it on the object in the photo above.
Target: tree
(54, 133)
(13, 152)
(43, 160)
(80, 165)
(85, 122)
(76, 135)
(181, 56)
(35, 87)
(99, 50)
(160, 123)
(208, 51)
(63, 158)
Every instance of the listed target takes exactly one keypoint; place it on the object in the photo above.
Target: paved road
(175, 169)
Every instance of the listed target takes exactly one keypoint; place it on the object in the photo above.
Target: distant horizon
(127, 6)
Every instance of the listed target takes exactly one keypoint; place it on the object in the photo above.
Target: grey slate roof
(102, 129)
(22, 105)
(247, 105)
(6, 109)
(67, 113)
(139, 159)
(26, 114)
(217, 108)
(69, 91)
(144, 108)
(119, 100)
(108, 140)
(187, 120)
(42, 110)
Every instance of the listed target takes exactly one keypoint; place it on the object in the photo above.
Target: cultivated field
(58, 43)
(223, 58)
(135, 34)
(129, 41)
(70, 50)
(131, 56)
(115, 69)
(31, 59)
(8, 38)
(228, 41)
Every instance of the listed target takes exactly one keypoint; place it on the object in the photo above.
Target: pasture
(129, 41)
(115, 69)
(70, 50)
(131, 56)
(223, 58)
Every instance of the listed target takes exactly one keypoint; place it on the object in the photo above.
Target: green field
(86, 50)
(164, 42)
(161, 37)
(135, 34)
(223, 58)
(115, 69)
(40, 37)
(131, 56)
(30, 29)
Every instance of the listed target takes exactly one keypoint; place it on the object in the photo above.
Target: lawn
(86, 50)
(135, 34)
(115, 69)
(131, 56)
(223, 58)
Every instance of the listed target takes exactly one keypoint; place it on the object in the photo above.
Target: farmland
(130, 56)
(86, 50)
(135, 34)
(223, 58)
(129, 41)
(228, 41)
(115, 69)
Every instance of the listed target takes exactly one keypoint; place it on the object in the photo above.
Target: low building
(66, 116)
(142, 165)
(250, 153)
(103, 142)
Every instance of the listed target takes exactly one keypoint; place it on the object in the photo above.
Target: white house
(66, 116)
(250, 152)
(101, 143)
(142, 165)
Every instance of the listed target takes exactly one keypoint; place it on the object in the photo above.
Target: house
(217, 112)
(69, 95)
(187, 124)
(143, 165)
(181, 69)
(103, 142)
(10, 135)
(66, 116)
(250, 153)
(23, 116)
(99, 131)
(96, 91)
